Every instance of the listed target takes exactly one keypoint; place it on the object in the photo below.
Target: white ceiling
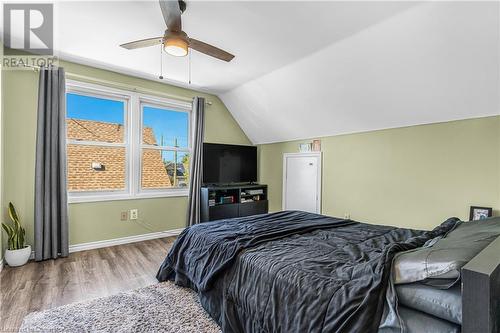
(263, 35)
(306, 69)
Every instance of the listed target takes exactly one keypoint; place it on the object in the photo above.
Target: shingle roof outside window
(81, 175)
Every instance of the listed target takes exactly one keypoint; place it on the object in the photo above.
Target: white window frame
(160, 104)
(133, 142)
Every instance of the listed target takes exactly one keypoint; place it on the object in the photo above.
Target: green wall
(1, 149)
(100, 220)
(412, 176)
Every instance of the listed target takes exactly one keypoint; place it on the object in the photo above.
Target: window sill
(116, 197)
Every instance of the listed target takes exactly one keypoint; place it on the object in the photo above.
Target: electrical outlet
(124, 216)
(134, 214)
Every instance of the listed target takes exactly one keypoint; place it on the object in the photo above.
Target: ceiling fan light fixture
(177, 47)
(175, 41)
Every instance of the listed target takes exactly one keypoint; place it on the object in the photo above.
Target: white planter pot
(18, 257)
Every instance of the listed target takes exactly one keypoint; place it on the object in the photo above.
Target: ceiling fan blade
(171, 14)
(210, 50)
(143, 43)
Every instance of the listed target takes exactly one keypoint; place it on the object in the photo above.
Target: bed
(292, 271)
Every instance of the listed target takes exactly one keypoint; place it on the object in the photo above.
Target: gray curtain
(195, 169)
(51, 206)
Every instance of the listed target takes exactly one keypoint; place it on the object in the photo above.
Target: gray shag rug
(162, 307)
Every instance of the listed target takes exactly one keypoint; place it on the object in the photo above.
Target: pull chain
(189, 70)
(161, 63)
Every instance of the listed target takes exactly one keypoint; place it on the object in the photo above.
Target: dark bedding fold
(291, 271)
(204, 250)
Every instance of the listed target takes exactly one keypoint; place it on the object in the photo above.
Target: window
(96, 135)
(165, 139)
(123, 145)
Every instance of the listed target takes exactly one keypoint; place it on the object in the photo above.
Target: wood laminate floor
(81, 276)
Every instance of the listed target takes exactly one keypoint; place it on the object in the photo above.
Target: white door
(302, 182)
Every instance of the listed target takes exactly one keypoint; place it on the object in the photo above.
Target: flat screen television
(226, 164)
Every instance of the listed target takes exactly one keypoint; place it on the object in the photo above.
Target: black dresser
(224, 202)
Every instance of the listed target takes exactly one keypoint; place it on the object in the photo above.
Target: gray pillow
(418, 322)
(445, 304)
(444, 257)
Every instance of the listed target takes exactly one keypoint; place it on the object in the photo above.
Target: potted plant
(17, 253)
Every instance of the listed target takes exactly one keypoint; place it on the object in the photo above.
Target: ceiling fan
(175, 41)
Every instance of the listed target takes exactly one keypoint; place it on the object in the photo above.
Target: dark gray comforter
(290, 271)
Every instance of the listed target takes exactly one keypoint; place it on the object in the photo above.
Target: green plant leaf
(8, 229)
(15, 232)
(10, 233)
(11, 242)
(13, 213)
(21, 238)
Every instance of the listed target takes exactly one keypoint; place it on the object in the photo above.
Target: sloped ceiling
(432, 62)
(264, 35)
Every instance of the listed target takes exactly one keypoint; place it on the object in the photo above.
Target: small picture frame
(305, 147)
(480, 213)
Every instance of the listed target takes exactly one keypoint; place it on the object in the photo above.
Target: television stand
(229, 201)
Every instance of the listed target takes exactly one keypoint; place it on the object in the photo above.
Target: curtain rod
(121, 85)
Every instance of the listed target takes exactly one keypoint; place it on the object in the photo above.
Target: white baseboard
(123, 240)
(119, 241)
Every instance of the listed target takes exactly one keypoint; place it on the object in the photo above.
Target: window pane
(94, 119)
(162, 127)
(95, 168)
(164, 169)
